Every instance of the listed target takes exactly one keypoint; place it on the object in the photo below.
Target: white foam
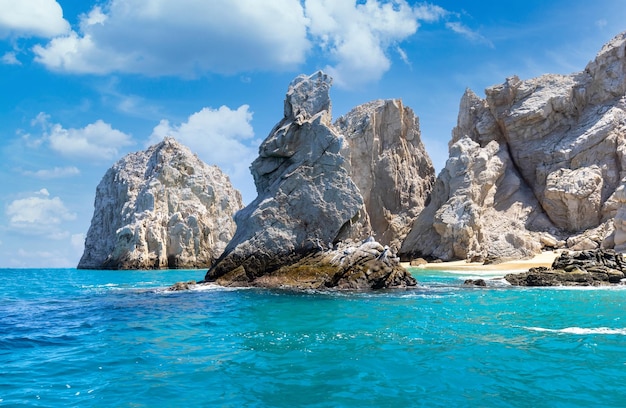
(581, 330)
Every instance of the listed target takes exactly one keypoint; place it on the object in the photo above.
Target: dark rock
(366, 266)
(418, 262)
(475, 282)
(583, 268)
(179, 286)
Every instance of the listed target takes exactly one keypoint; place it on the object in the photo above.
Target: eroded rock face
(387, 161)
(536, 163)
(160, 208)
(307, 207)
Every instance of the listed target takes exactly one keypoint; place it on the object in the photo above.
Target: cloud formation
(39, 214)
(222, 137)
(96, 141)
(358, 36)
(31, 18)
(461, 29)
(10, 58)
(191, 38)
(182, 37)
(54, 173)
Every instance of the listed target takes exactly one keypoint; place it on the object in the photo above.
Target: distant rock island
(160, 208)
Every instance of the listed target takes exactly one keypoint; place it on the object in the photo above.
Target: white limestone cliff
(160, 208)
(537, 163)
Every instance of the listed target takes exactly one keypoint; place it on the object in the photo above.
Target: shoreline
(461, 267)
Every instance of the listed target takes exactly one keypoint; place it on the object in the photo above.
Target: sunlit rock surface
(538, 163)
(160, 208)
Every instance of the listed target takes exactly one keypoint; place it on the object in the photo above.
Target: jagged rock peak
(308, 206)
(308, 96)
(160, 208)
(536, 164)
(387, 161)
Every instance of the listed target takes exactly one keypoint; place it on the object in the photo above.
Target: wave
(581, 330)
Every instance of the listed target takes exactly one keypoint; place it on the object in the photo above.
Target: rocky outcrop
(160, 208)
(537, 164)
(584, 268)
(387, 161)
(349, 266)
(309, 210)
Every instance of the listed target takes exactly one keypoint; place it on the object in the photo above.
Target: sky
(84, 82)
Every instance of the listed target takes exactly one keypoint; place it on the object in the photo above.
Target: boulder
(581, 268)
(308, 205)
(160, 208)
(535, 164)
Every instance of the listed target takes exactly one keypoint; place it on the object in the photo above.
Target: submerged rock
(308, 203)
(160, 208)
(537, 164)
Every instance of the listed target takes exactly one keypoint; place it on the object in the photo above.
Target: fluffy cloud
(39, 214)
(358, 36)
(96, 141)
(26, 18)
(218, 136)
(182, 37)
(190, 38)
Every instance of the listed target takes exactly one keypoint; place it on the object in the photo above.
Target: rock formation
(387, 161)
(582, 268)
(538, 163)
(160, 208)
(309, 225)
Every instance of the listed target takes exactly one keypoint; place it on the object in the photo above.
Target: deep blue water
(113, 338)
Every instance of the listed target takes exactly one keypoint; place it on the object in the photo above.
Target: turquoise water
(110, 338)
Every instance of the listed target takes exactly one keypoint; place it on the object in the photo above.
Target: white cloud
(56, 172)
(467, 32)
(96, 141)
(359, 36)
(31, 18)
(10, 58)
(223, 137)
(39, 214)
(182, 37)
(190, 38)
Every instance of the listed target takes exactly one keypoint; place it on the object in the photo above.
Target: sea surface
(75, 338)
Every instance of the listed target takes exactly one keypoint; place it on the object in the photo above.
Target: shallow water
(112, 338)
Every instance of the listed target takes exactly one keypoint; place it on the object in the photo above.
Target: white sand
(462, 267)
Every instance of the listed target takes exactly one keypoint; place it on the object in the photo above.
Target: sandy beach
(522, 265)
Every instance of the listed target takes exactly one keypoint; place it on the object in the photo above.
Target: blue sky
(85, 82)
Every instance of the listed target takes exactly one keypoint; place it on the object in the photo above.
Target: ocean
(80, 338)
